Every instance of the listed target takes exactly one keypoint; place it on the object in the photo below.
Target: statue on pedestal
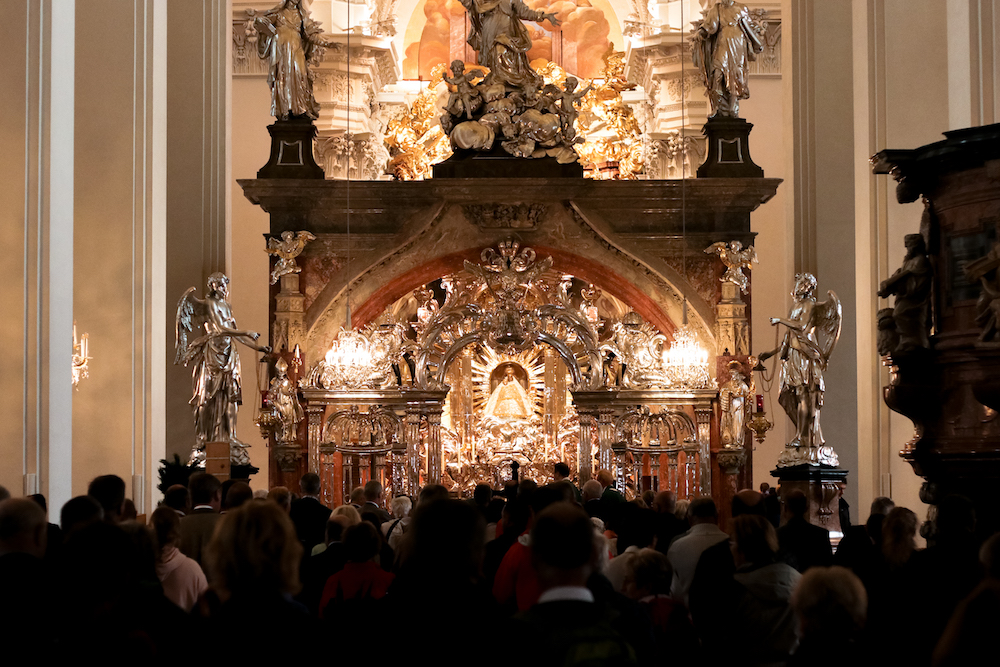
(726, 39)
(502, 42)
(736, 258)
(286, 250)
(282, 396)
(216, 373)
(290, 41)
(811, 332)
(911, 284)
(734, 398)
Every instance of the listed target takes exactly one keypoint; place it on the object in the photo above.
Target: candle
(760, 403)
(83, 346)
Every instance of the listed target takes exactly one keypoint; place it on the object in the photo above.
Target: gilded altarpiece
(512, 301)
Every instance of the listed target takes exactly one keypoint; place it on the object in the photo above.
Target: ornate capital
(731, 460)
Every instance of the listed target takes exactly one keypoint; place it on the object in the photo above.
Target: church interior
(434, 310)
(413, 247)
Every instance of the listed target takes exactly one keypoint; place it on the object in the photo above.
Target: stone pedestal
(291, 150)
(498, 163)
(823, 486)
(728, 150)
(731, 326)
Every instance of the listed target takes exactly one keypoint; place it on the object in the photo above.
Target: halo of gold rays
(485, 360)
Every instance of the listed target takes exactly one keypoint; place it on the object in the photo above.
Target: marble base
(728, 150)
(292, 151)
(498, 163)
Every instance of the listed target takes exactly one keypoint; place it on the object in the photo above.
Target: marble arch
(654, 289)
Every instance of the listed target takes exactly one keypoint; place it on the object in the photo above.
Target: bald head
(22, 527)
(605, 478)
(591, 490)
(748, 501)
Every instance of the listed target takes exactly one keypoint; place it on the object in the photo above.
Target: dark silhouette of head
(109, 491)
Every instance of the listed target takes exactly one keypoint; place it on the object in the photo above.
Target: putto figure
(736, 258)
(286, 250)
(911, 285)
(291, 42)
(726, 40)
(502, 42)
(216, 373)
(812, 331)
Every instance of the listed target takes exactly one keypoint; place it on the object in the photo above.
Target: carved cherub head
(570, 84)
(457, 67)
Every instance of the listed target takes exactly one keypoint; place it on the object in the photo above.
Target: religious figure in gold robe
(509, 400)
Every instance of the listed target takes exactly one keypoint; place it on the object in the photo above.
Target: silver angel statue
(639, 348)
(811, 332)
(736, 258)
(286, 250)
(291, 42)
(216, 374)
(726, 40)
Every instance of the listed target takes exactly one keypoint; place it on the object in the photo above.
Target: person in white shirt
(685, 550)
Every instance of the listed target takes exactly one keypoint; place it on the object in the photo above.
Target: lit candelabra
(80, 357)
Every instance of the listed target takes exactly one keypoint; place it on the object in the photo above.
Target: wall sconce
(80, 357)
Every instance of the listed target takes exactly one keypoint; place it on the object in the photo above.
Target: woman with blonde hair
(253, 560)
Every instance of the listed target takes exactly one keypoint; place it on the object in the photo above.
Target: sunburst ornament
(486, 360)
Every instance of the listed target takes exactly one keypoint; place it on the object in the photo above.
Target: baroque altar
(575, 287)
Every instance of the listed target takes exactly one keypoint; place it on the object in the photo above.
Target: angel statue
(812, 331)
(725, 41)
(286, 250)
(736, 258)
(216, 372)
(291, 42)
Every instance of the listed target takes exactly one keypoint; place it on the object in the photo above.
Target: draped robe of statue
(724, 46)
(287, 39)
(509, 401)
(501, 41)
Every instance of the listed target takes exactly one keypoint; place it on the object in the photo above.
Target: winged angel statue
(736, 258)
(812, 331)
(216, 372)
(286, 250)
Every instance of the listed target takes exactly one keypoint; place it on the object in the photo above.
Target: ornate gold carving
(504, 216)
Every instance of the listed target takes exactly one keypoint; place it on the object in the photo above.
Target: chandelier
(685, 362)
(348, 361)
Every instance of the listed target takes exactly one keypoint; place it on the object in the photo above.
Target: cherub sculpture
(736, 258)
(567, 104)
(217, 391)
(812, 330)
(465, 98)
(286, 250)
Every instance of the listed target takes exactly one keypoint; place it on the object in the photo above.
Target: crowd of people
(553, 575)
